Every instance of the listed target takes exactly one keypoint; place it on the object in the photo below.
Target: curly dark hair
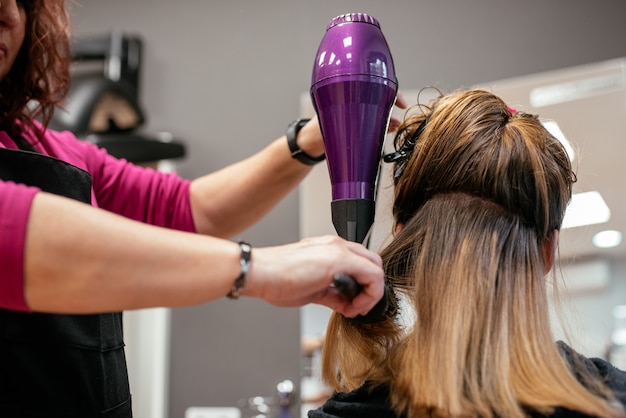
(40, 76)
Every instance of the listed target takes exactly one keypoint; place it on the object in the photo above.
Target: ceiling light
(554, 128)
(607, 239)
(586, 209)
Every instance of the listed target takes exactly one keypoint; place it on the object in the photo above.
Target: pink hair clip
(512, 110)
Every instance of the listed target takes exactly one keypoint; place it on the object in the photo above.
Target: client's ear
(398, 228)
(549, 250)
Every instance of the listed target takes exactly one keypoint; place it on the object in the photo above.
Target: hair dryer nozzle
(353, 218)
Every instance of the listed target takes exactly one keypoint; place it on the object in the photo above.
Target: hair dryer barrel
(353, 91)
(354, 114)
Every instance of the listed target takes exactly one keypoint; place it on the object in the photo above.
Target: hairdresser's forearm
(81, 259)
(230, 200)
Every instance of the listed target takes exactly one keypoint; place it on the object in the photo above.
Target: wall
(226, 77)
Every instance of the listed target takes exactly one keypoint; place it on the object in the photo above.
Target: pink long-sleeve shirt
(137, 193)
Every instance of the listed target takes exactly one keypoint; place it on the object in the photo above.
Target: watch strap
(245, 257)
(292, 134)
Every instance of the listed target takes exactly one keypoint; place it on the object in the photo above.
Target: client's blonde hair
(479, 192)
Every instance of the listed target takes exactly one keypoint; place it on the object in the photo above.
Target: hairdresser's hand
(301, 273)
(394, 123)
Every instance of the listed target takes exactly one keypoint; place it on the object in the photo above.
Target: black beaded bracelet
(240, 281)
(292, 133)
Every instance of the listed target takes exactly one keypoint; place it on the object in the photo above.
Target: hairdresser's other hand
(301, 273)
(394, 123)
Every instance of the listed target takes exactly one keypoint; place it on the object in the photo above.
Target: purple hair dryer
(353, 91)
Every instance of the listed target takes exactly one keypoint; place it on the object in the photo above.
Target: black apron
(65, 366)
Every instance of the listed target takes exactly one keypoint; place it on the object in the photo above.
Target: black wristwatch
(292, 132)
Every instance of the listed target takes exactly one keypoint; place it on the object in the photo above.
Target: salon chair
(102, 104)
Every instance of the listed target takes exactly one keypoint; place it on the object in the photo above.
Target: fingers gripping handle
(349, 288)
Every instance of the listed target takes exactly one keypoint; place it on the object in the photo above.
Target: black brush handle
(349, 288)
